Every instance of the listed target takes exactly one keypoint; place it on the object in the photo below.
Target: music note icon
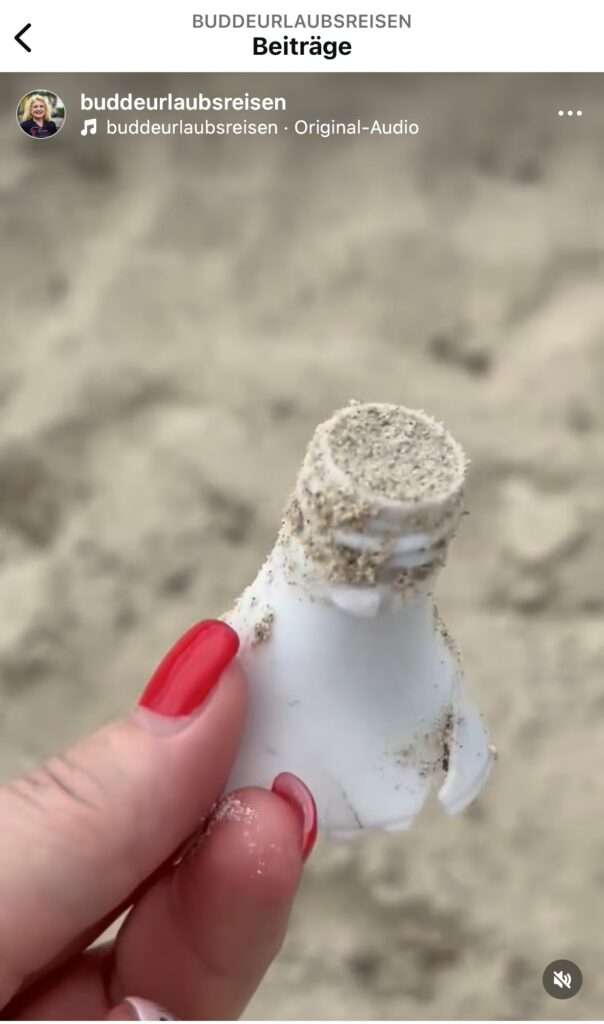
(89, 126)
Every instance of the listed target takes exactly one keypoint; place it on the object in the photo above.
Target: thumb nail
(185, 677)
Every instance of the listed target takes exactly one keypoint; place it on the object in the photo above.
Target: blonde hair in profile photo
(29, 103)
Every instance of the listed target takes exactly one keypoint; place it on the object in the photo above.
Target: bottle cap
(379, 495)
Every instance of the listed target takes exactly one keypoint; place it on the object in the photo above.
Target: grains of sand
(263, 628)
(380, 472)
(230, 808)
(395, 452)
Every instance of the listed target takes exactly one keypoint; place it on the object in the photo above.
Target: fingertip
(260, 824)
(180, 692)
(206, 932)
(134, 1008)
(296, 794)
(251, 845)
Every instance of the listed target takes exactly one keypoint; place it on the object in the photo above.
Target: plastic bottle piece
(355, 684)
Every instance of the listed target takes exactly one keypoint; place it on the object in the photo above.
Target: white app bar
(319, 35)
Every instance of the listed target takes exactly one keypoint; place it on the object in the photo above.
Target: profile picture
(41, 114)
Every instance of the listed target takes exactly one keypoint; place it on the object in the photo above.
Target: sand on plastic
(177, 317)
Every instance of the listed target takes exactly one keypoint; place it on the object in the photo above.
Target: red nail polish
(191, 669)
(292, 789)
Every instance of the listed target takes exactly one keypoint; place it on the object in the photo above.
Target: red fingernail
(190, 670)
(298, 796)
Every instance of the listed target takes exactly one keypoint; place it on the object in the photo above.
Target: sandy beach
(177, 316)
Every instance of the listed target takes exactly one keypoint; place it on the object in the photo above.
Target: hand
(108, 826)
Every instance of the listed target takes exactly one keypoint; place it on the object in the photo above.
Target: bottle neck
(373, 584)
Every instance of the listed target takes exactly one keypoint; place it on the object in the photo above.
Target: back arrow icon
(20, 33)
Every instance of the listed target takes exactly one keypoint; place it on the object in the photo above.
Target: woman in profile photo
(38, 122)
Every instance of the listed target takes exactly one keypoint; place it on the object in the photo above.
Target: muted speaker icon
(562, 979)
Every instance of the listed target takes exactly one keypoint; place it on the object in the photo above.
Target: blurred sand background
(176, 316)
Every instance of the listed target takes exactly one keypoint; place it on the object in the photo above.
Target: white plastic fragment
(355, 684)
